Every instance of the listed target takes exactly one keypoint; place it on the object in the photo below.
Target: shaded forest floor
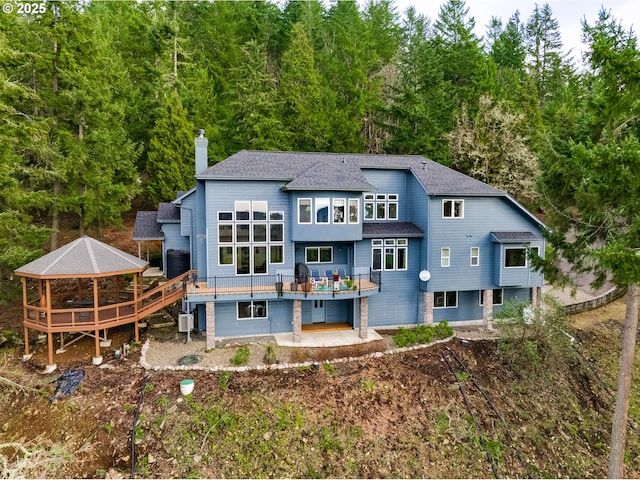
(398, 416)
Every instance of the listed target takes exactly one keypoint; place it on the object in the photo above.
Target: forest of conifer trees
(99, 100)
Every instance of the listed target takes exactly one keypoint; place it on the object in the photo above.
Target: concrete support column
(487, 308)
(364, 317)
(210, 321)
(536, 296)
(297, 321)
(427, 315)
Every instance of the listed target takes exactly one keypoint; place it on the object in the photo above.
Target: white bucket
(186, 386)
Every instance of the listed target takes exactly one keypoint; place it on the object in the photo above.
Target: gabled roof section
(308, 170)
(147, 226)
(514, 237)
(85, 257)
(182, 195)
(390, 229)
(324, 175)
(168, 213)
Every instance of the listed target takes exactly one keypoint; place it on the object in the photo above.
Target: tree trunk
(620, 416)
(55, 215)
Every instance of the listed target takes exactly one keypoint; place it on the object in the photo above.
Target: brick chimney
(201, 152)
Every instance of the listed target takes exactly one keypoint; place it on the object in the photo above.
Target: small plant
(367, 384)
(148, 388)
(101, 473)
(443, 330)
(108, 427)
(329, 368)
(223, 380)
(163, 401)
(270, 354)
(241, 356)
(127, 407)
(462, 376)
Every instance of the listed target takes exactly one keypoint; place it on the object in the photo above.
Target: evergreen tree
(170, 166)
(300, 89)
(594, 191)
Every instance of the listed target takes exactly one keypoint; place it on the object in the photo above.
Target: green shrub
(443, 330)
(422, 334)
(241, 356)
(223, 380)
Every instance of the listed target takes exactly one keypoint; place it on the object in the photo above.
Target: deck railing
(279, 284)
(105, 316)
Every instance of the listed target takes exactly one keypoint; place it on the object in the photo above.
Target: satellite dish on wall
(425, 275)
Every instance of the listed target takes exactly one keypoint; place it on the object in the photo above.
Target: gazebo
(84, 287)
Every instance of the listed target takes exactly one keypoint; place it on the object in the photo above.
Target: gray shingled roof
(309, 170)
(147, 227)
(168, 213)
(514, 237)
(390, 229)
(84, 257)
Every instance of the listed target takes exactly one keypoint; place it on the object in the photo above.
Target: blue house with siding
(276, 242)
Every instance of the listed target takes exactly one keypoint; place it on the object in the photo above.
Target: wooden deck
(203, 288)
(107, 316)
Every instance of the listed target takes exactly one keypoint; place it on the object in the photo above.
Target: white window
(319, 254)
(226, 255)
(381, 206)
(260, 211)
(389, 254)
(304, 210)
(497, 296)
(515, 257)
(445, 257)
(445, 299)
(243, 210)
(354, 210)
(249, 310)
(276, 254)
(474, 256)
(322, 210)
(369, 205)
(256, 237)
(452, 208)
(339, 210)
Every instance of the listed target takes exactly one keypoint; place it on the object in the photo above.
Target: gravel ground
(166, 349)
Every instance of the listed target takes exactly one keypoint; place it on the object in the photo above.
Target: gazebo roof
(83, 258)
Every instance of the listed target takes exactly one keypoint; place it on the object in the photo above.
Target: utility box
(185, 322)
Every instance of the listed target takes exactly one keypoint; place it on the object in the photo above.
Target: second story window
(381, 206)
(452, 208)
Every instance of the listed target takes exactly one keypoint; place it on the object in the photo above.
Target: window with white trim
(304, 210)
(515, 257)
(389, 254)
(322, 210)
(354, 210)
(497, 296)
(452, 208)
(381, 206)
(323, 254)
(445, 299)
(339, 211)
(254, 240)
(474, 256)
(252, 310)
(445, 257)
